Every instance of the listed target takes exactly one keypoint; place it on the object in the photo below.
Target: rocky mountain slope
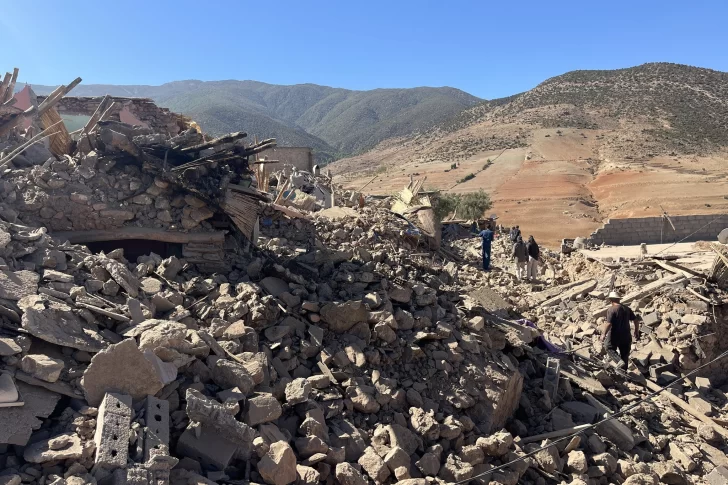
(575, 150)
(335, 122)
(686, 106)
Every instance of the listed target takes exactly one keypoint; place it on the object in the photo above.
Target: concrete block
(204, 444)
(112, 430)
(156, 436)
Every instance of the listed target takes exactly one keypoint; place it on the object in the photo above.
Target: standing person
(533, 255)
(616, 334)
(520, 255)
(512, 235)
(518, 233)
(487, 236)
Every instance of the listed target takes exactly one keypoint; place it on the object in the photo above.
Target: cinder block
(112, 430)
(156, 435)
(203, 444)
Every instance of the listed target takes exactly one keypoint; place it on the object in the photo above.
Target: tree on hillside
(467, 206)
(474, 204)
(446, 205)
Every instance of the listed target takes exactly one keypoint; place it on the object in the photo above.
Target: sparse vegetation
(453, 166)
(466, 206)
(487, 164)
(469, 176)
(446, 205)
(474, 204)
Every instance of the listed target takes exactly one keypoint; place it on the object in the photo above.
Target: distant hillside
(335, 122)
(678, 107)
(577, 149)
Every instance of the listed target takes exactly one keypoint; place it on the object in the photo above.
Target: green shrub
(446, 205)
(467, 206)
(469, 176)
(474, 204)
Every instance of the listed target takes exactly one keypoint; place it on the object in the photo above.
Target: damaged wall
(656, 230)
(135, 111)
(299, 157)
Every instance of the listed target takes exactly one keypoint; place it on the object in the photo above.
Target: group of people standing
(526, 255)
(616, 335)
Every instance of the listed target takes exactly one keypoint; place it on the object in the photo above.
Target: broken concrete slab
(65, 446)
(581, 412)
(719, 476)
(692, 319)
(274, 286)
(42, 367)
(121, 368)
(17, 423)
(54, 322)
(217, 417)
(19, 284)
(9, 347)
(204, 444)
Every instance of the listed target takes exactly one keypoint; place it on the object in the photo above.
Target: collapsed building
(170, 315)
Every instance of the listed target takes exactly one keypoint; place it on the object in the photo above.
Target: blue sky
(490, 49)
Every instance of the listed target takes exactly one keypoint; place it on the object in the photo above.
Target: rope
(613, 416)
(688, 236)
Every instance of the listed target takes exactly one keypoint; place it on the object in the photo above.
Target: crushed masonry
(172, 311)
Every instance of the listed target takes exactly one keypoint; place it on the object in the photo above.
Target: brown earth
(558, 186)
(575, 150)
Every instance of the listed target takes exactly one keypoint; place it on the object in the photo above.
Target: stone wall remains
(299, 157)
(135, 111)
(656, 230)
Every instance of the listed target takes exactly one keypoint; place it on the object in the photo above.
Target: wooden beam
(4, 85)
(641, 293)
(688, 408)
(9, 92)
(217, 141)
(127, 233)
(677, 269)
(585, 287)
(91, 123)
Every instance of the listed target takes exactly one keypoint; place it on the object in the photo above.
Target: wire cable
(609, 418)
(689, 235)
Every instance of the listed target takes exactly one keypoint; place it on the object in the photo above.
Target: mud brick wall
(654, 230)
(161, 120)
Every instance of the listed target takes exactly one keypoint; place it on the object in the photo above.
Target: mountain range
(575, 150)
(335, 122)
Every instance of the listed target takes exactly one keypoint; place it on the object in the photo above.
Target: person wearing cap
(617, 335)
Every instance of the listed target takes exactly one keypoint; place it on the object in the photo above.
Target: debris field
(169, 316)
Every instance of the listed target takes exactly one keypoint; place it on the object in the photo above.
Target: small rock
(348, 475)
(278, 466)
(297, 391)
(42, 367)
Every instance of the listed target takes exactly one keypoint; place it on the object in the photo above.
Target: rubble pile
(345, 348)
(677, 438)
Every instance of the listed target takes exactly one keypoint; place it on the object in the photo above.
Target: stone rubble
(336, 351)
